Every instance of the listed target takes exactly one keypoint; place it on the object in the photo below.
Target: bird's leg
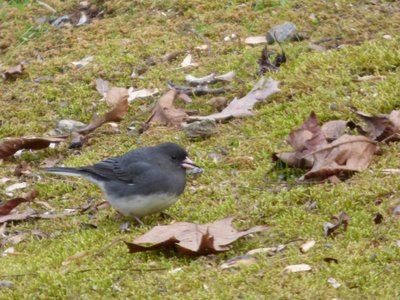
(140, 222)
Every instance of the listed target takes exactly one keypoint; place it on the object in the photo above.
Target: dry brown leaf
(333, 130)
(116, 95)
(11, 145)
(342, 219)
(191, 239)
(164, 112)
(292, 160)
(14, 72)
(243, 107)
(344, 156)
(383, 127)
(313, 142)
(116, 114)
(306, 139)
(7, 207)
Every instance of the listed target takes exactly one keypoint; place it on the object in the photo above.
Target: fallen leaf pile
(327, 151)
(191, 239)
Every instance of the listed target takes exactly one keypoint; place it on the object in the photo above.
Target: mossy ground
(130, 32)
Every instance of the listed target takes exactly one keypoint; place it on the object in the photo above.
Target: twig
(46, 5)
(121, 269)
(332, 145)
(197, 91)
(198, 35)
(19, 275)
(101, 252)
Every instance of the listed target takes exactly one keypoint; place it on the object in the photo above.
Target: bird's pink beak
(189, 164)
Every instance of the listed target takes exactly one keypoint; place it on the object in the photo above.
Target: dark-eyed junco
(141, 182)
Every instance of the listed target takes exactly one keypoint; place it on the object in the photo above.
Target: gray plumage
(141, 182)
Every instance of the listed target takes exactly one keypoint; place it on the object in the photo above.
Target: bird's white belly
(140, 206)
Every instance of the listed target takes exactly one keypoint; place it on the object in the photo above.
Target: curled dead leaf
(304, 140)
(342, 220)
(11, 145)
(120, 106)
(164, 112)
(14, 72)
(8, 206)
(190, 238)
(382, 127)
(344, 156)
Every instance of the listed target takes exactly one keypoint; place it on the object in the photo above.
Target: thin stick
(121, 269)
(18, 275)
(198, 35)
(46, 5)
(108, 247)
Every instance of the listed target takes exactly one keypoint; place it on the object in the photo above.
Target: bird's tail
(63, 171)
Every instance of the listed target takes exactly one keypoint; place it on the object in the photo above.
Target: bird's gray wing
(117, 169)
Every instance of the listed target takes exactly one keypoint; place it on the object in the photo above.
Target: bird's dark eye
(173, 157)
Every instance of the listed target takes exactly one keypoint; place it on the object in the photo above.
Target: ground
(245, 184)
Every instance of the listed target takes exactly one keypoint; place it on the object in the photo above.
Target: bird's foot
(165, 216)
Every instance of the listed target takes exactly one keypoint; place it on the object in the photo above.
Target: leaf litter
(191, 239)
(328, 151)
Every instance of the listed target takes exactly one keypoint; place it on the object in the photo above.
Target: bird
(141, 182)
